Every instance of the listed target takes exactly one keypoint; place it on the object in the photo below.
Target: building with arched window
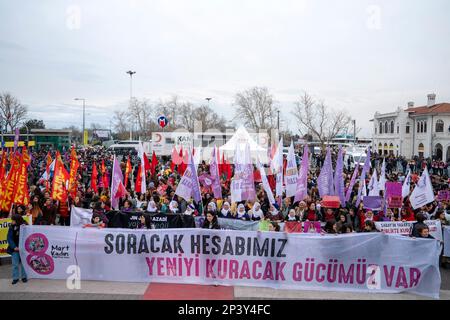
(419, 131)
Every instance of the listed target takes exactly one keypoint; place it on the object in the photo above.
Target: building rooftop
(437, 108)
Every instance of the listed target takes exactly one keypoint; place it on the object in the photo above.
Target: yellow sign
(85, 138)
(10, 144)
(4, 227)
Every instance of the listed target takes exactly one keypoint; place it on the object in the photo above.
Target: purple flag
(242, 184)
(339, 178)
(325, 182)
(117, 179)
(16, 139)
(352, 183)
(214, 169)
(302, 182)
(362, 179)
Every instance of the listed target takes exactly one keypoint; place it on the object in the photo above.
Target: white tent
(239, 139)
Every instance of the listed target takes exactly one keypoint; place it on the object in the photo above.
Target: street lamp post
(131, 97)
(354, 132)
(84, 116)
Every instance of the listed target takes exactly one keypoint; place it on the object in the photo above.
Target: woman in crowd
(225, 212)
(330, 227)
(173, 207)
(353, 219)
(211, 221)
(96, 222)
(127, 206)
(141, 203)
(292, 216)
(152, 208)
(256, 213)
(369, 226)
(99, 209)
(312, 214)
(241, 214)
(64, 213)
(420, 217)
(145, 222)
(13, 249)
(274, 215)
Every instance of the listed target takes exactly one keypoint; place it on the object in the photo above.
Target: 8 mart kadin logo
(36, 245)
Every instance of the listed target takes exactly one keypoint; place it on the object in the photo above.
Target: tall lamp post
(131, 97)
(84, 116)
(354, 132)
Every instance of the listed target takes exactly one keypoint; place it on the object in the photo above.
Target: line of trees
(256, 108)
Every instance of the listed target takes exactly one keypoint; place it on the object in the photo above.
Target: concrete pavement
(100, 290)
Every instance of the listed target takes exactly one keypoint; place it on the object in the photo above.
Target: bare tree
(141, 112)
(170, 110)
(186, 116)
(12, 111)
(256, 108)
(121, 123)
(209, 119)
(316, 119)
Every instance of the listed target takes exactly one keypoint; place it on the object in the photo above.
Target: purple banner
(393, 189)
(352, 183)
(373, 202)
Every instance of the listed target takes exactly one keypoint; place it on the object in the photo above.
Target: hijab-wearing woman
(225, 212)
(152, 208)
(241, 214)
(256, 212)
(173, 207)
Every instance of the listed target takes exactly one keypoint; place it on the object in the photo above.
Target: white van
(359, 157)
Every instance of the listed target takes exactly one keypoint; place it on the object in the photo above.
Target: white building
(422, 131)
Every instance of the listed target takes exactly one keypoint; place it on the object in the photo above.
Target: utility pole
(84, 117)
(354, 132)
(131, 98)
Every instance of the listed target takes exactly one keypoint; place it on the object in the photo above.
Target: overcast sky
(358, 55)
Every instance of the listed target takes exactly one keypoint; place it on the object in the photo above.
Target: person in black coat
(211, 221)
(13, 248)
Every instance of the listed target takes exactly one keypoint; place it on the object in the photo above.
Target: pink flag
(214, 170)
(117, 179)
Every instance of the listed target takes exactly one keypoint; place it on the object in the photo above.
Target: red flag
(222, 164)
(138, 184)
(174, 159)
(74, 165)
(104, 177)
(127, 171)
(60, 177)
(94, 178)
(229, 171)
(121, 191)
(147, 165)
(154, 163)
(184, 162)
(21, 195)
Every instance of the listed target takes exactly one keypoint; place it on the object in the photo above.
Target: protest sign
(373, 202)
(4, 226)
(404, 228)
(365, 262)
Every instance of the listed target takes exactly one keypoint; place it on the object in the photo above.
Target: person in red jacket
(407, 214)
(64, 214)
(368, 216)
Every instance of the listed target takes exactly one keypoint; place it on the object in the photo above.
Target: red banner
(7, 195)
(94, 178)
(21, 195)
(60, 176)
(74, 165)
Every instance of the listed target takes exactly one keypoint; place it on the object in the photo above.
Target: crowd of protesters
(160, 196)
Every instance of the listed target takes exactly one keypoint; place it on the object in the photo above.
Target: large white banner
(365, 262)
(446, 232)
(404, 228)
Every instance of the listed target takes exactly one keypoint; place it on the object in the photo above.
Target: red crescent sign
(159, 136)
